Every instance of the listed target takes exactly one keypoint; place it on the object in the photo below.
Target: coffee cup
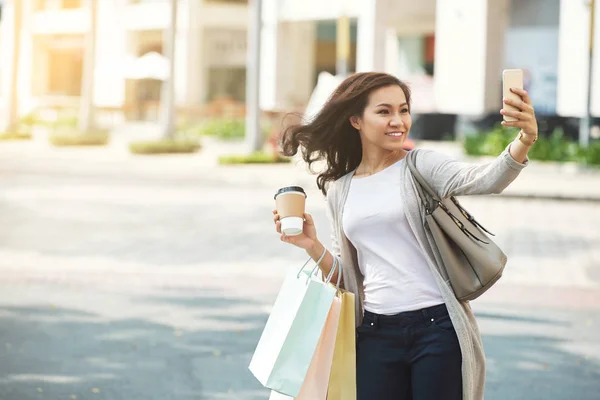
(290, 202)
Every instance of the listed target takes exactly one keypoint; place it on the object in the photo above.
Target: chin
(398, 144)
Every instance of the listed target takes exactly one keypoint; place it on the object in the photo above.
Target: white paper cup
(290, 202)
(292, 226)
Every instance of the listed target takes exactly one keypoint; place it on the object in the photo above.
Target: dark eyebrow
(389, 105)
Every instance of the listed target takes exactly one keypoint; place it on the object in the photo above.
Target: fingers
(309, 219)
(521, 116)
(520, 104)
(288, 239)
(524, 114)
(515, 124)
(523, 93)
(276, 221)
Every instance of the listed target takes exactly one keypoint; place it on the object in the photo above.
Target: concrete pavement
(541, 180)
(151, 277)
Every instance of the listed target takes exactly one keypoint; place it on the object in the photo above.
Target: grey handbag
(473, 262)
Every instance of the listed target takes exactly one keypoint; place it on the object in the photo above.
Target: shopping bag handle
(314, 270)
(335, 265)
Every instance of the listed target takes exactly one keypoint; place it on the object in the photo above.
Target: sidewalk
(152, 277)
(540, 180)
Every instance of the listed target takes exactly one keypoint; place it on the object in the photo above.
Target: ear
(355, 122)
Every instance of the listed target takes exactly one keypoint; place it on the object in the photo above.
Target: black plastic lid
(290, 189)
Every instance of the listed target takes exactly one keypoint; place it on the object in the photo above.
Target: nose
(396, 121)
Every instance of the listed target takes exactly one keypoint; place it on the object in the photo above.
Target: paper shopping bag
(342, 379)
(317, 377)
(292, 332)
(278, 396)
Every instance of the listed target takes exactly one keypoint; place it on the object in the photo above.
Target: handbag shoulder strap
(413, 169)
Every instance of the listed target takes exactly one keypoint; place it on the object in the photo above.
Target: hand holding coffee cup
(290, 202)
(307, 235)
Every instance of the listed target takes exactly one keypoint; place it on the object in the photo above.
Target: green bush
(221, 128)
(473, 145)
(226, 129)
(554, 148)
(69, 121)
(591, 154)
(254, 158)
(165, 146)
(29, 119)
(489, 143)
(75, 138)
(20, 135)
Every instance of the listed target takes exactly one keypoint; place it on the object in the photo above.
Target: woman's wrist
(315, 250)
(527, 139)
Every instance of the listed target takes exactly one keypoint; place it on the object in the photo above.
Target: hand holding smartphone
(511, 78)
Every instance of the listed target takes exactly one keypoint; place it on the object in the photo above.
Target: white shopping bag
(289, 340)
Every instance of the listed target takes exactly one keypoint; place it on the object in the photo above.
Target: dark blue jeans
(413, 355)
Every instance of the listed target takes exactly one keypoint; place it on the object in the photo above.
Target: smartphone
(511, 78)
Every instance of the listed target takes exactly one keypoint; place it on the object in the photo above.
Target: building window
(65, 69)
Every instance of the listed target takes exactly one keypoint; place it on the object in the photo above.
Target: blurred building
(210, 50)
(452, 52)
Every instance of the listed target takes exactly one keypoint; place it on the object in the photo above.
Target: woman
(415, 340)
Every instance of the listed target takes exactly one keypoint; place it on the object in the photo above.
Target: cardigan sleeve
(449, 177)
(331, 215)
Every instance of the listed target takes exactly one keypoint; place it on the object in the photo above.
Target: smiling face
(386, 119)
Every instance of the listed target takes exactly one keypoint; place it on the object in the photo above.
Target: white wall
(70, 21)
(147, 16)
(372, 35)
(225, 15)
(6, 52)
(467, 66)
(287, 60)
(596, 65)
(573, 71)
(25, 102)
(111, 50)
(195, 55)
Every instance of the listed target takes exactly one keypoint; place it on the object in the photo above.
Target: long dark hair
(329, 135)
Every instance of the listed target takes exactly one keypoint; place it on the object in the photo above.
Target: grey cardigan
(447, 177)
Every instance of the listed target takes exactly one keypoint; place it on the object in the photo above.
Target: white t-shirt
(397, 277)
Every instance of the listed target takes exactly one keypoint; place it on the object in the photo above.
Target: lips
(394, 134)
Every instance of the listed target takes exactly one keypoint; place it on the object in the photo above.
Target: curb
(550, 197)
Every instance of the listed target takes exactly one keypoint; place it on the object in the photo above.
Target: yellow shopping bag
(342, 378)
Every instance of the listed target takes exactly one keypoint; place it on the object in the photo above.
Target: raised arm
(449, 177)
